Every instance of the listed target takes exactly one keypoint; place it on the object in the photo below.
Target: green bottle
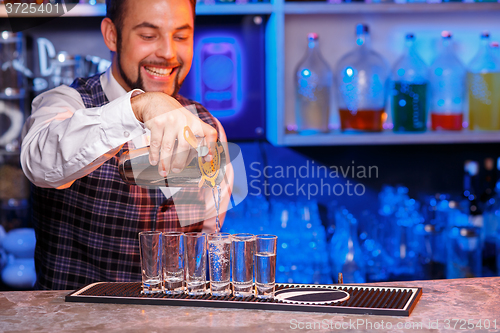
(409, 91)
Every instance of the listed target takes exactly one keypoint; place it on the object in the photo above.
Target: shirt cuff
(118, 120)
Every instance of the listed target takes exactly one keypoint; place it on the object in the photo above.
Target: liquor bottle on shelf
(489, 180)
(470, 203)
(447, 78)
(491, 200)
(492, 208)
(313, 82)
(362, 86)
(409, 83)
(483, 78)
(495, 47)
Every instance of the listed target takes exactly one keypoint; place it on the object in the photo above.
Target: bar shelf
(396, 8)
(391, 138)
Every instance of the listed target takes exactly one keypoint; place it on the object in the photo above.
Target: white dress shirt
(64, 141)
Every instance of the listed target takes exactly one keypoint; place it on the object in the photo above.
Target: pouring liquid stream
(217, 205)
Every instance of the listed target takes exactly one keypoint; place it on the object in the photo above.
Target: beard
(139, 83)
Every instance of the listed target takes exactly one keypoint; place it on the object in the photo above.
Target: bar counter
(446, 305)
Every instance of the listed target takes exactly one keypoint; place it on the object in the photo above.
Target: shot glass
(219, 255)
(265, 265)
(150, 252)
(195, 262)
(242, 252)
(173, 263)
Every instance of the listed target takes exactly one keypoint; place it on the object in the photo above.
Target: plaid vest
(89, 232)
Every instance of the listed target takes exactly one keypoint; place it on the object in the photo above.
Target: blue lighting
(440, 102)
(306, 73)
(349, 71)
(466, 193)
(457, 100)
(401, 72)
(402, 102)
(218, 96)
(218, 83)
(213, 76)
(438, 71)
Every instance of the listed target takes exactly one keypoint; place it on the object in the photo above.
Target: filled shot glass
(265, 265)
(219, 255)
(242, 253)
(173, 263)
(195, 262)
(151, 266)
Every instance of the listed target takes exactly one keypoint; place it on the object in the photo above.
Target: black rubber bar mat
(363, 300)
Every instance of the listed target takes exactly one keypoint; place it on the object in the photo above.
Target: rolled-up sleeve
(64, 141)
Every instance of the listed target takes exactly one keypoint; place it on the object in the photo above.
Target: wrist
(137, 102)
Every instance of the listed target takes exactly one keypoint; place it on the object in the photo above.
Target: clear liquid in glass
(219, 263)
(265, 273)
(242, 267)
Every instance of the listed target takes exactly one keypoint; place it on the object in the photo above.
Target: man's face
(155, 46)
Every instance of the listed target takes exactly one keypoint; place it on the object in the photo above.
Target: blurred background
(369, 130)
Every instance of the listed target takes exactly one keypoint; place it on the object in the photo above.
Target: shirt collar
(110, 86)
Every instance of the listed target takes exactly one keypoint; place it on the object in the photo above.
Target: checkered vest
(89, 232)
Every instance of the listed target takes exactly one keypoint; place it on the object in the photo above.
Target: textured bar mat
(365, 300)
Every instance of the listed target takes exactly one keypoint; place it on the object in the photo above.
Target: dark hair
(115, 10)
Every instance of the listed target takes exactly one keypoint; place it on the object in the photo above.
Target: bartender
(86, 218)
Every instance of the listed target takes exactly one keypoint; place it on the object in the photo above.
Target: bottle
(409, 90)
(447, 78)
(471, 184)
(491, 215)
(488, 183)
(464, 252)
(346, 255)
(135, 169)
(483, 78)
(495, 49)
(313, 84)
(492, 208)
(362, 86)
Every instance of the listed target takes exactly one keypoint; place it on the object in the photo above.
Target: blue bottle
(346, 255)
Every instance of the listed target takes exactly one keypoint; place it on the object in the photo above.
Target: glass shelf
(235, 9)
(357, 8)
(391, 138)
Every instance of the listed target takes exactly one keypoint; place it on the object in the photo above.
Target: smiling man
(151, 56)
(86, 218)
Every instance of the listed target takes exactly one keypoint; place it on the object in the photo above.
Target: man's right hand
(166, 118)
